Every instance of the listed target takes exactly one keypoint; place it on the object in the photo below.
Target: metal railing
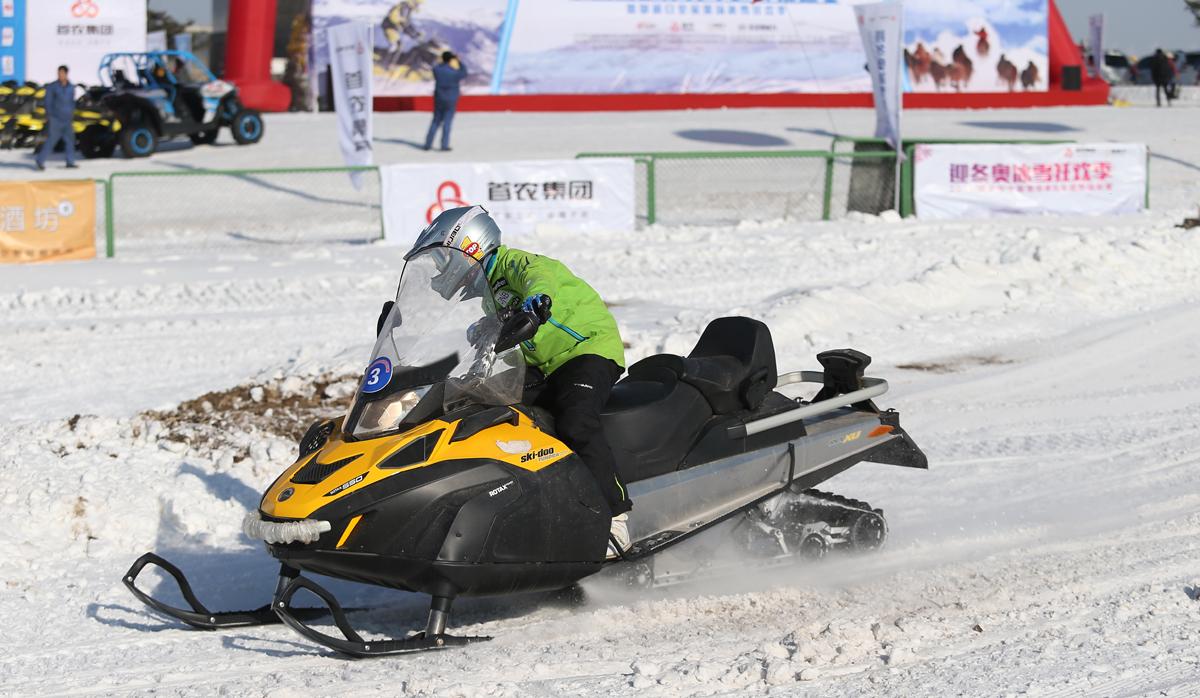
(722, 187)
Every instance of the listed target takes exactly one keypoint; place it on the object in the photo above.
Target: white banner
(585, 195)
(350, 62)
(981, 181)
(879, 27)
(77, 34)
(156, 40)
(1096, 31)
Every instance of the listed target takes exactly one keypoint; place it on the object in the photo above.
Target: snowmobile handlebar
(872, 388)
(518, 328)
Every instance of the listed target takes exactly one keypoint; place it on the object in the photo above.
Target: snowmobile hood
(341, 468)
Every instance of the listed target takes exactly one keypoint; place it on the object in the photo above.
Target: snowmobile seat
(732, 364)
(651, 422)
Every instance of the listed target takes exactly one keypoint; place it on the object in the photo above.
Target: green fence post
(382, 225)
(827, 202)
(1148, 175)
(651, 194)
(108, 217)
(907, 207)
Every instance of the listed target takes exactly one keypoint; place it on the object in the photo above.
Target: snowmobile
(440, 481)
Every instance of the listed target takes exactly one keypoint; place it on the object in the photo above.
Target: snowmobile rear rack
(871, 388)
(352, 644)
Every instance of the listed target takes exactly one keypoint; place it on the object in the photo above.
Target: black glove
(387, 308)
(539, 305)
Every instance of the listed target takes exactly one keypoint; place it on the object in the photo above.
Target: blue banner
(12, 40)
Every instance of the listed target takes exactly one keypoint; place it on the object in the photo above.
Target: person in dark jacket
(60, 112)
(446, 77)
(1163, 74)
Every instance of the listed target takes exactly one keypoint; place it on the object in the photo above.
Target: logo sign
(78, 33)
(449, 195)
(379, 374)
(85, 9)
(286, 494)
(985, 180)
(585, 195)
(47, 221)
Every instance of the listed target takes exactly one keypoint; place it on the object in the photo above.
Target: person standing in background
(446, 78)
(60, 112)
(1162, 74)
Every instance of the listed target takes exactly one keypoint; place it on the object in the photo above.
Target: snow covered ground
(1050, 368)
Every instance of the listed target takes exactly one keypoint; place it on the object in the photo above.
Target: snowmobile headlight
(387, 414)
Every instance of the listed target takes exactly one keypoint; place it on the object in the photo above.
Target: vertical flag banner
(879, 27)
(47, 221)
(1096, 39)
(350, 62)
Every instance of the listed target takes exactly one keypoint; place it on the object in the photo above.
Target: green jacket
(579, 321)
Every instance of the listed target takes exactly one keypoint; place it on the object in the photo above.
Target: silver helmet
(458, 240)
(468, 228)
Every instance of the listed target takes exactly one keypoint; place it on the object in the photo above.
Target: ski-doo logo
(540, 454)
(346, 485)
(501, 488)
(286, 494)
(845, 439)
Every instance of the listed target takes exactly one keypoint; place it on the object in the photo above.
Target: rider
(577, 346)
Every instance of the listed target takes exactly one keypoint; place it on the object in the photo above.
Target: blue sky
(1135, 26)
(1017, 21)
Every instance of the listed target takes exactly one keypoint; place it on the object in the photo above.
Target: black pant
(574, 394)
(1160, 89)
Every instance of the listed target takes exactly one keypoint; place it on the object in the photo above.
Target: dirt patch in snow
(233, 418)
(954, 365)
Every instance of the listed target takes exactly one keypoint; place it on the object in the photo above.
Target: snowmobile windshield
(436, 350)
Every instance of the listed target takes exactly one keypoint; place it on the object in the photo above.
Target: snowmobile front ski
(199, 616)
(351, 643)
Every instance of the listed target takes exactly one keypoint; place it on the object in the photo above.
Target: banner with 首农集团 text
(986, 180)
(585, 195)
(47, 221)
(77, 34)
(350, 66)
(879, 26)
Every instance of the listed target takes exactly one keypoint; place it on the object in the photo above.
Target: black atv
(161, 95)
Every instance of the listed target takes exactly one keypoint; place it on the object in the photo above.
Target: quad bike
(158, 95)
(440, 481)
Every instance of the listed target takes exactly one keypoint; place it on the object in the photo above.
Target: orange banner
(47, 221)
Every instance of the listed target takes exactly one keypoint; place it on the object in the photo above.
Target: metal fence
(217, 208)
(726, 187)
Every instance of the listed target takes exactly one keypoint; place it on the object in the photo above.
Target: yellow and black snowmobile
(440, 481)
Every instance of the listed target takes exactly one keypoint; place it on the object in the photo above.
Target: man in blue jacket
(446, 78)
(60, 112)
